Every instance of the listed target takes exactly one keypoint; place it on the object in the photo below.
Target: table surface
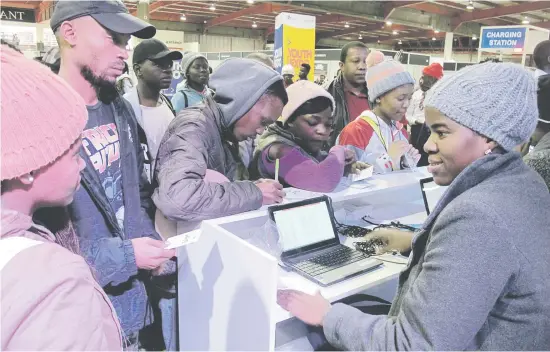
(391, 268)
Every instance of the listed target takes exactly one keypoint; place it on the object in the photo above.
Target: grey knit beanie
(496, 100)
(188, 59)
(384, 75)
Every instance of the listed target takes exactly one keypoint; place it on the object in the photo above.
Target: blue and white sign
(177, 78)
(503, 38)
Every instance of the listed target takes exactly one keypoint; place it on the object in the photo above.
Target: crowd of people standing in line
(96, 267)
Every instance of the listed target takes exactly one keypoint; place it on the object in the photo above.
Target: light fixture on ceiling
(250, 1)
(399, 42)
(254, 25)
(212, 7)
(525, 20)
(378, 41)
(394, 32)
(434, 38)
(328, 13)
(205, 21)
(474, 37)
(360, 36)
(346, 25)
(470, 5)
(389, 23)
(183, 18)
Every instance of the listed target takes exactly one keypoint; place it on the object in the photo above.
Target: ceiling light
(205, 21)
(378, 41)
(470, 5)
(434, 38)
(250, 1)
(360, 37)
(394, 32)
(474, 38)
(254, 25)
(183, 18)
(399, 42)
(525, 21)
(212, 7)
(389, 23)
(328, 13)
(346, 25)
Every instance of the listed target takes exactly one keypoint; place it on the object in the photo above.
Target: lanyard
(376, 127)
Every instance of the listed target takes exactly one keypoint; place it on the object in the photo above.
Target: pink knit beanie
(41, 115)
(300, 92)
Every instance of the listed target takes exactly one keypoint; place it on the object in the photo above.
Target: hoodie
(201, 138)
(50, 299)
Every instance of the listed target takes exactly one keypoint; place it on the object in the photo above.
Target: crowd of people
(87, 167)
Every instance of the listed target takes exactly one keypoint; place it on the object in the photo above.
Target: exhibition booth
(228, 279)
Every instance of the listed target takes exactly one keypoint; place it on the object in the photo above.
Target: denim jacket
(104, 245)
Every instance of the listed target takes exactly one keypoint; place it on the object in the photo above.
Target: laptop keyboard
(329, 261)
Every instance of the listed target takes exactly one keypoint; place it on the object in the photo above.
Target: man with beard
(112, 210)
(153, 63)
(415, 113)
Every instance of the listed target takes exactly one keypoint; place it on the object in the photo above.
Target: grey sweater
(539, 159)
(478, 276)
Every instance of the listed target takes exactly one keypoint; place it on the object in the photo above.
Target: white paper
(183, 239)
(362, 175)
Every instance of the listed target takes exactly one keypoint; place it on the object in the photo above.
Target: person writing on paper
(477, 278)
(377, 137)
(207, 136)
(50, 298)
(297, 138)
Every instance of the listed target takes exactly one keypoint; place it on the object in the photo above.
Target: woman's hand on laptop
(311, 309)
(394, 239)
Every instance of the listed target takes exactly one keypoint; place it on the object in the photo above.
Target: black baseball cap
(153, 49)
(111, 14)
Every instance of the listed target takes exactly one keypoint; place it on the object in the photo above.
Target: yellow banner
(299, 48)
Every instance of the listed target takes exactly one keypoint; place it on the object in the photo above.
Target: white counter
(227, 281)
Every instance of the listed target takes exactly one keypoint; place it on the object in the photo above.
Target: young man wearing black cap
(153, 63)
(112, 210)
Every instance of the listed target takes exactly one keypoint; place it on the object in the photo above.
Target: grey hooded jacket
(201, 138)
(477, 277)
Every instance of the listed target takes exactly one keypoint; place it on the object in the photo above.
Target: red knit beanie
(41, 115)
(434, 69)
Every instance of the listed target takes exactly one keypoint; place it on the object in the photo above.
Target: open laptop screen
(431, 193)
(303, 225)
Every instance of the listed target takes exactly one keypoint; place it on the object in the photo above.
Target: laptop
(310, 243)
(431, 192)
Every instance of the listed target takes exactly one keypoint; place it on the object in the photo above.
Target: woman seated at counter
(377, 137)
(477, 278)
(297, 138)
